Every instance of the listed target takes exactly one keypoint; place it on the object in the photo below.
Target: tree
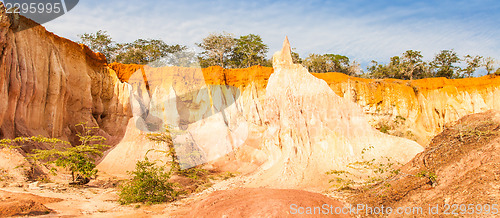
(442, 64)
(99, 42)
(249, 51)
(217, 48)
(377, 71)
(145, 51)
(331, 63)
(140, 51)
(488, 64)
(392, 70)
(472, 64)
(150, 179)
(354, 69)
(411, 61)
(340, 63)
(296, 57)
(317, 63)
(80, 159)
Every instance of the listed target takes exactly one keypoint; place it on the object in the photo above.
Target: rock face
(204, 119)
(460, 166)
(426, 105)
(309, 130)
(287, 137)
(48, 84)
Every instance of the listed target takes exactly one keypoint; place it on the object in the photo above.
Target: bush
(384, 128)
(80, 160)
(429, 175)
(149, 185)
(377, 171)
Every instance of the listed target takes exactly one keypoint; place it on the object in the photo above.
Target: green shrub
(379, 171)
(80, 160)
(384, 128)
(12, 143)
(429, 175)
(149, 184)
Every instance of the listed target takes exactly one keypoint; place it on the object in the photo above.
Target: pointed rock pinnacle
(286, 52)
(283, 57)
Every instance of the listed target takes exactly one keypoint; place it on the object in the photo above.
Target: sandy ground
(99, 198)
(263, 202)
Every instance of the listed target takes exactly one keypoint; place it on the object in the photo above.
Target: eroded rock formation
(203, 118)
(48, 84)
(309, 130)
(460, 166)
(282, 122)
(426, 105)
(287, 136)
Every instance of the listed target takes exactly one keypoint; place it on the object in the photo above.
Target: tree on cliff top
(296, 57)
(443, 64)
(412, 61)
(392, 70)
(473, 62)
(331, 63)
(140, 51)
(145, 51)
(226, 51)
(411, 66)
(488, 64)
(217, 49)
(249, 50)
(99, 42)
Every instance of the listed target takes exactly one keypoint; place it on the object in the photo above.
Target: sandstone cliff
(289, 130)
(310, 130)
(426, 105)
(417, 109)
(48, 84)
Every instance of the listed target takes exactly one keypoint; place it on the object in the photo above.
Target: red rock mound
(261, 202)
(18, 204)
(460, 167)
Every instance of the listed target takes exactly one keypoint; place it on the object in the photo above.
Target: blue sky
(361, 30)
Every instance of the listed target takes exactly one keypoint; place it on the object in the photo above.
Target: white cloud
(312, 28)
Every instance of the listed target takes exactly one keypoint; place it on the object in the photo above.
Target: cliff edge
(48, 84)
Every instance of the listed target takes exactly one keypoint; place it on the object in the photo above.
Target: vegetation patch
(166, 181)
(364, 173)
(149, 184)
(80, 159)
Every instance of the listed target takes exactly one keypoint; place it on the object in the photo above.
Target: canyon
(280, 127)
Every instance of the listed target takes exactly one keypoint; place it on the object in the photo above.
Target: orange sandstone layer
(426, 104)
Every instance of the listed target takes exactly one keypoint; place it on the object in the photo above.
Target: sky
(363, 30)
